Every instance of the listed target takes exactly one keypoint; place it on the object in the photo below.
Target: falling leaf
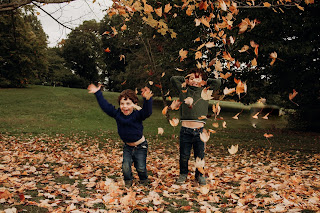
(216, 125)
(183, 54)
(241, 88)
(174, 122)
(122, 57)
(137, 107)
(266, 116)
(107, 50)
(299, 7)
(148, 8)
(151, 83)
(210, 44)
(218, 65)
(224, 124)
(255, 116)
(274, 56)
(222, 5)
(167, 8)
(115, 32)
(160, 131)
(163, 74)
(243, 26)
(178, 69)
(204, 136)
(158, 11)
(216, 108)
(293, 94)
(227, 56)
(309, 1)
(175, 105)
(225, 76)
(188, 101)
(202, 117)
(233, 149)
(200, 165)
(254, 62)
(266, 4)
(124, 27)
(228, 91)
(244, 49)
(198, 55)
(165, 110)
(212, 131)
(236, 116)
(266, 135)
(206, 94)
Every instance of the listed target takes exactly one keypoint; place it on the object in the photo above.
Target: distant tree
(82, 51)
(22, 48)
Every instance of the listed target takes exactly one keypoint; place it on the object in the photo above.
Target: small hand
(146, 93)
(93, 88)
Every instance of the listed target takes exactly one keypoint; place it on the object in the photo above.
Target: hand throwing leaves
(146, 93)
(93, 88)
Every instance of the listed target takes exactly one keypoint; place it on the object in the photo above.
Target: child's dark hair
(197, 72)
(128, 94)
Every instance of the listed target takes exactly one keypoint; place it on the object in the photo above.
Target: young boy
(130, 129)
(191, 125)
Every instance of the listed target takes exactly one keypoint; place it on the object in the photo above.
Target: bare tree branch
(14, 4)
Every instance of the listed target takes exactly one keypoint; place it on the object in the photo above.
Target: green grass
(65, 111)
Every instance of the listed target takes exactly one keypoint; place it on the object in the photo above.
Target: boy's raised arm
(214, 84)
(177, 82)
(146, 110)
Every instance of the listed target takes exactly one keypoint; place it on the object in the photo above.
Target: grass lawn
(60, 153)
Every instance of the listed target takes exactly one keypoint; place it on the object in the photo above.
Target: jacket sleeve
(177, 82)
(146, 110)
(214, 84)
(108, 108)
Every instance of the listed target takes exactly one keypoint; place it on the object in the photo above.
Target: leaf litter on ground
(78, 174)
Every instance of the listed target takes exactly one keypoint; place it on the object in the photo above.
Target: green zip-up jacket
(199, 107)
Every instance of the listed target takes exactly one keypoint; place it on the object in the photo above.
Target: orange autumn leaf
(204, 136)
(158, 11)
(266, 4)
(227, 56)
(124, 27)
(205, 22)
(198, 55)
(243, 26)
(255, 116)
(165, 110)
(206, 94)
(254, 62)
(293, 94)
(244, 49)
(228, 91)
(174, 122)
(167, 8)
(233, 149)
(107, 50)
(203, 5)
(274, 56)
(266, 135)
(123, 83)
(148, 8)
(241, 88)
(236, 80)
(225, 76)
(183, 54)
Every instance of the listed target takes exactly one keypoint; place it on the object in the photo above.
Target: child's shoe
(201, 180)
(182, 179)
(144, 182)
(128, 183)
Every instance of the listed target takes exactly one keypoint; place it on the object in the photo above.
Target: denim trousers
(138, 156)
(190, 138)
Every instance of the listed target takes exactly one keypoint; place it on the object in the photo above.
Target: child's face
(194, 80)
(126, 106)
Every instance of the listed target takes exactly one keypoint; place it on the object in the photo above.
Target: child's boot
(128, 183)
(201, 180)
(182, 179)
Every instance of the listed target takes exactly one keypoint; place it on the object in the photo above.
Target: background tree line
(94, 52)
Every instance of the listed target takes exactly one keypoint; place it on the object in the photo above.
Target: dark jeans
(138, 156)
(190, 138)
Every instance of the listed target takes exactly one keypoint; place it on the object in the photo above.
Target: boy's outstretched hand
(93, 88)
(146, 93)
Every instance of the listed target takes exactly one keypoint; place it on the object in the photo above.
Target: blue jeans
(189, 138)
(138, 156)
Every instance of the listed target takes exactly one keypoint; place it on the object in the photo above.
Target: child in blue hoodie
(130, 129)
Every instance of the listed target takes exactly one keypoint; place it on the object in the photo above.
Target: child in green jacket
(191, 116)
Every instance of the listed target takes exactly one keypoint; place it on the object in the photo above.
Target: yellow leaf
(160, 131)
(183, 54)
(266, 4)
(215, 125)
(225, 76)
(224, 124)
(151, 82)
(210, 44)
(167, 8)
(205, 22)
(255, 116)
(309, 1)
(165, 110)
(268, 135)
(228, 91)
(227, 56)
(148, 8)
(158, 11)
(236, 116)
(174, 122)
(222, 5)
(299, 7)
(124, 27)
(218, 66)
(198, 55)
(115, 32)
(204, 136)
(206, 94)
(200, 165)
(266, 116)
(188, 101)
(233, 149)
(254, 62)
